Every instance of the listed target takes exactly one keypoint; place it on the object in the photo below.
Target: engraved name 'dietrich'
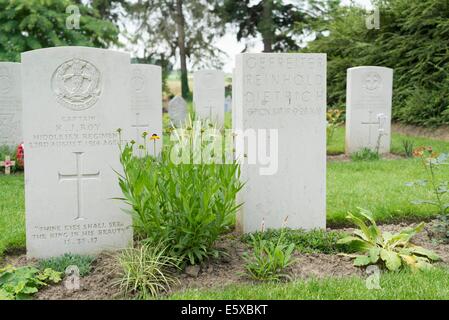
(76, 84)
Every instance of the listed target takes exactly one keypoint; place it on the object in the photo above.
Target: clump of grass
(269, 258)
(408, 146)
(60, 264)
(313, 241)
(146, 271)
(365, 154)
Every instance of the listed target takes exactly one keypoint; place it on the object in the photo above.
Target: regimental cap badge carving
(373, 81)
(6, 81)
(77, 84)
(138, 80)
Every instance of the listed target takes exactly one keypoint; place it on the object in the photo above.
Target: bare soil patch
(347, 158)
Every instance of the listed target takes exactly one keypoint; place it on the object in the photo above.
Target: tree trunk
(266, 26)
(180, 26)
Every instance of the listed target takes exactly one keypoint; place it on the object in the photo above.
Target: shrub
(313, 241)
(365, 154)
(21, 283)
(411, 39)
(394, 251)
(186, 206)
(145, 271)
(60, 264)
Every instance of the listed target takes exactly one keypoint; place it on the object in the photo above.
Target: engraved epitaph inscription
(77, 84)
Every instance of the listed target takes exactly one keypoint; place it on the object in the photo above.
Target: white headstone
(368, 109)
(286, 93)
(228, 104)
(146, 103)
(209, 94)
(74, 100)
(10, 104)
(177, 109)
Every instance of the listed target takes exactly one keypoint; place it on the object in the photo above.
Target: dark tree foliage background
(33, 24)
(413, 39)
(273, 20)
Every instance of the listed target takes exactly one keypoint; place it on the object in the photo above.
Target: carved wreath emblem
(77, 84)
(373, 81)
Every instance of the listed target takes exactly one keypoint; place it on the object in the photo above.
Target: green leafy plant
(365, 154)
(60, 264)
(431, 161)
(185, 205)
(394, 251)
(313, 241)
(146, 271)
(269, 258)
(21, 283)
(408, 147)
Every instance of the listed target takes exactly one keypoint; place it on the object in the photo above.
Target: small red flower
(20, 154)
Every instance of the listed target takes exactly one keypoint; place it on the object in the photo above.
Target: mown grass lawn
(377, 185)
(432, 284)
(12, 217)
(337, 145)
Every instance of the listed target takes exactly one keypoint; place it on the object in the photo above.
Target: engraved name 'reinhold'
(283, 79)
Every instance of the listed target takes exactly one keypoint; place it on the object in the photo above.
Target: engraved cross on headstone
(7, 164)
(138, 126)
(371, 123)
(210, 107)
(78, 177)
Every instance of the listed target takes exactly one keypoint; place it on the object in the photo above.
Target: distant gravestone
(287, 94)
(10, 104)
(228, 104)
(146, 103)
(74, 100)
(177, 110)
(209, 94)
(368, 109)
